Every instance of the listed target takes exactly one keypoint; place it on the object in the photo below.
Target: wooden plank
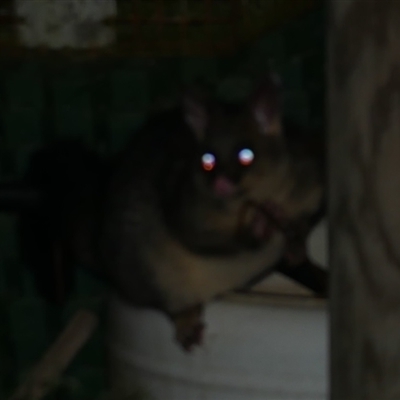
(364, 157)
(50, 368)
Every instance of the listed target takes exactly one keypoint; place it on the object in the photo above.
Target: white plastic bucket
(260, 348)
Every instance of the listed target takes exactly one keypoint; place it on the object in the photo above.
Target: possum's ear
(266, 106)
(196, 112)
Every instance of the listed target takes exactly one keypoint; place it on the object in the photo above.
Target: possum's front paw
(189, 327)
(259, 222)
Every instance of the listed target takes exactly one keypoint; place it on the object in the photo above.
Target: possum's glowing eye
(208, 161)
(246, 157)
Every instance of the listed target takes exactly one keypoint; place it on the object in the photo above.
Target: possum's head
(240, 145)
(242, 148)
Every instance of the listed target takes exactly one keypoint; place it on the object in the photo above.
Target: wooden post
(364, 157)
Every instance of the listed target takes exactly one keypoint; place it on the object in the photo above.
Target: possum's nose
(224, 187)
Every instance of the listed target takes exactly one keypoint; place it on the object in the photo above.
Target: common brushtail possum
(163, 229)
(169, 231)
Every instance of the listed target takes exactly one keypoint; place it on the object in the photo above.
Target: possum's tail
(61, 179)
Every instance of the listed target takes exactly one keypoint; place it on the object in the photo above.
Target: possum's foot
(296, 249)
(189, 327)
(295, 254)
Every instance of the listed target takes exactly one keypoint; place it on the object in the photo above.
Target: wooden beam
(364, 157)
